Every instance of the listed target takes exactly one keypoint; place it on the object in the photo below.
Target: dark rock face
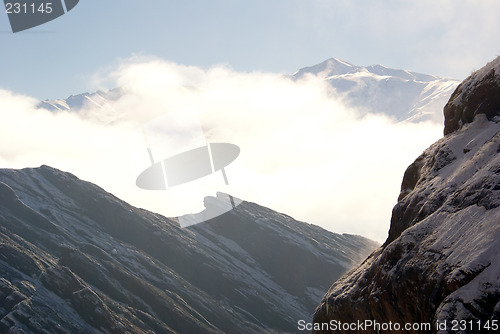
(441, 260)
(478, 94)
(75, 259)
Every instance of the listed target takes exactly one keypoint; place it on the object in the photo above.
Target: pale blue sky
(448, 38)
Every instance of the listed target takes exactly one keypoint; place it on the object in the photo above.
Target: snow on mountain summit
(404, 95)
(97, 104)
(334, 67)
(329, 67)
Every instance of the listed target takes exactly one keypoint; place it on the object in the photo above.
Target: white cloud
(302, 151)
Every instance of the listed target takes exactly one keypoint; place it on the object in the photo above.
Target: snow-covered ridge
(99, 99)
(335, 67)
(97, 106)
(404, 95)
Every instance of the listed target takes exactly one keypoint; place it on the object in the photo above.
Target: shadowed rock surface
(76, 259)
(478, 94)
(441, 260)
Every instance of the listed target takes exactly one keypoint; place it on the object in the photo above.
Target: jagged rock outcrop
(76, 259)
(441, 261)
(478, 94)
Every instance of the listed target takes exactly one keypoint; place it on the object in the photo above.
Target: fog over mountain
(312, 132)
(404, 95)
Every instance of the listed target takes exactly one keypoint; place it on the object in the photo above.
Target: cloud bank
(303, 152)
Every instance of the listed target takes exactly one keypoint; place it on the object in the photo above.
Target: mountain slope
(75, 259)
(440, 264)
(406, 96)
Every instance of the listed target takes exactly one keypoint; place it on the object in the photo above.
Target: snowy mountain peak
(329, 67)
(403, 95)
(335, 67)
(77, 102)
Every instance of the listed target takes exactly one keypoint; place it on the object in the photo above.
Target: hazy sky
(443, 37)
(303, 152)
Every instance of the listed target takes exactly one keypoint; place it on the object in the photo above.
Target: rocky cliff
(76, 259)
(440, 264)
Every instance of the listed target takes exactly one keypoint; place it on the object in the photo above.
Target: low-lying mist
(303, 151)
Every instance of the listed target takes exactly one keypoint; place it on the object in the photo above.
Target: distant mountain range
(440, 265)
(76, 259)
(403, 95)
